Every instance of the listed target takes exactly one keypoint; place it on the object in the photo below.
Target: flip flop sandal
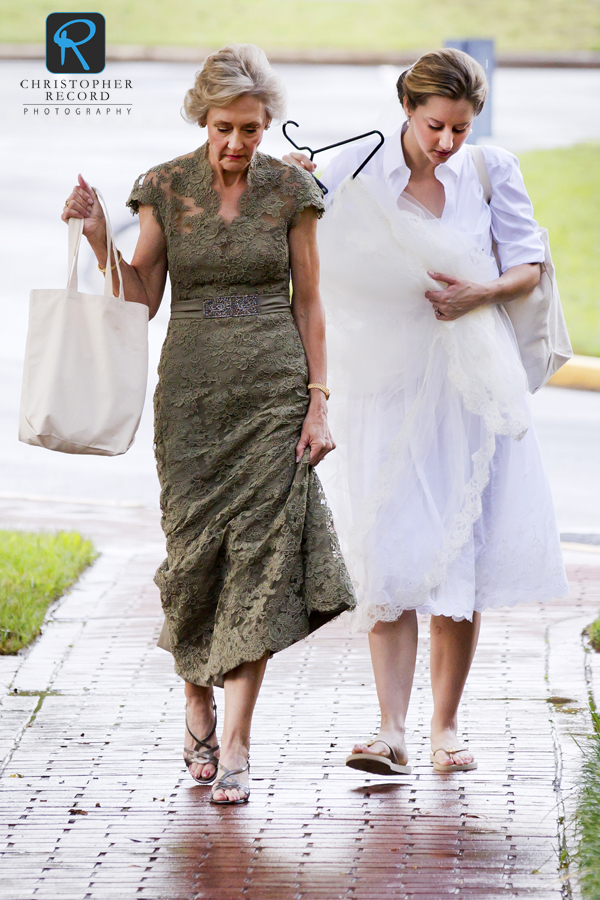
(377, 764)
(202, 754)
(227, 783)
(452, 767)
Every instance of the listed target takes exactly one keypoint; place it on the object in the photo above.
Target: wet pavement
(96, 802)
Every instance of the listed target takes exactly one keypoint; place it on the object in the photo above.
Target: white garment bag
(86, 363)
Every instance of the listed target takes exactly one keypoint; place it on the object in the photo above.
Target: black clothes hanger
(331, 146)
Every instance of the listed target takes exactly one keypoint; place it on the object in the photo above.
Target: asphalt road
(42, 153)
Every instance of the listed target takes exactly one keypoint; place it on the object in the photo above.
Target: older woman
(440, 494)
(253, 562)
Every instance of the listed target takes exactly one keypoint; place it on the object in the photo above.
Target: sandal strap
(392, 757)
(227, 782)
(204, 741)
(232, 785)
(206, 755)
(451, 750)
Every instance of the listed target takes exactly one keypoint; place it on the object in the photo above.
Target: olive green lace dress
(253, 562)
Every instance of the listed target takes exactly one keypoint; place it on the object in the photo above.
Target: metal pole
(483, 52)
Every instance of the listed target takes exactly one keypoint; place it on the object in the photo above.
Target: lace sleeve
(146, 191)
(305, 192)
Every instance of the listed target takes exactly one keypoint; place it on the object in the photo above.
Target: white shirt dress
(438, 488)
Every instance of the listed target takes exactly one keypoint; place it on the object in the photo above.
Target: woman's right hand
(82, 203)
(301, 161)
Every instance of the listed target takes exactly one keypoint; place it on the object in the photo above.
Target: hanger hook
(337, 144)
(292, 142)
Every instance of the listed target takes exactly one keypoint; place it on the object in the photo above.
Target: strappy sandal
(452, 767)
(228, 783)
(377, 764)
(202, 754)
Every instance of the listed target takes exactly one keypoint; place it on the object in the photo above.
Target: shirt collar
(453, 166)
(393, 158)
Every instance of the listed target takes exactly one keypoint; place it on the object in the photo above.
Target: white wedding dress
(437, 487)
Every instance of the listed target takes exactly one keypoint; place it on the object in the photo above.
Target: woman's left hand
(315, 434)
(458, 298)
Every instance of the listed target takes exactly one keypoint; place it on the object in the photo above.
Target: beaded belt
(230, 307)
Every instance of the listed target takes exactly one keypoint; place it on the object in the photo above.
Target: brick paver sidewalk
(96, 802)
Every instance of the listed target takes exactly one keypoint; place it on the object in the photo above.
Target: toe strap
(451, 750)
(228, 783)
(206, 755)
(392, 757)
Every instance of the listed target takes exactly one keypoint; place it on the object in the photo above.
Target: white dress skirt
(437, 487)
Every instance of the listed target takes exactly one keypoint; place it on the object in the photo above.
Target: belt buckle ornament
(226, 307)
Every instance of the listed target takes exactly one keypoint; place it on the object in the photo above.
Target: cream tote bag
(537, 319)
(86, 364)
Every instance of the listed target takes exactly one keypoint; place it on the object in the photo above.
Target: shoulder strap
(484, 180)
(482, 172)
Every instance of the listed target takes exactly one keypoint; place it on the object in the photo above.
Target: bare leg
(242, 685)
(393, 654)
(452, 649)
(200, 718)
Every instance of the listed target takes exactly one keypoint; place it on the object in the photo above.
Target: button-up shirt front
(508, 217)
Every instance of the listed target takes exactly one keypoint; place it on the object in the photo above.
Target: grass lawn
(588, 816)
(35, 569)
(564, 186)
(593, 633)
(346, 24)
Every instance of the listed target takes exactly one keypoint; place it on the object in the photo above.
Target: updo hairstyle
(235, 71)
(444, 73)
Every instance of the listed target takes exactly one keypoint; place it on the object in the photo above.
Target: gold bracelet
(321, 387)
(112, 268)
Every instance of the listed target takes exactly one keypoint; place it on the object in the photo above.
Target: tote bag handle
(482, 172)
(75, 232)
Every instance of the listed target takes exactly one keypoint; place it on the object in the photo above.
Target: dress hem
(316, 620)
(359, 625)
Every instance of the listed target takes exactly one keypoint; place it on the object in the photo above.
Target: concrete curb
(582, 373)
(578, 59)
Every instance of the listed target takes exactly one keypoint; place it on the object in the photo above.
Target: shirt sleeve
(513, 226)
(146, 192)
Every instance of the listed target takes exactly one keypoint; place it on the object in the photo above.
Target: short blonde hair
(235, 71)
(444, 73)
